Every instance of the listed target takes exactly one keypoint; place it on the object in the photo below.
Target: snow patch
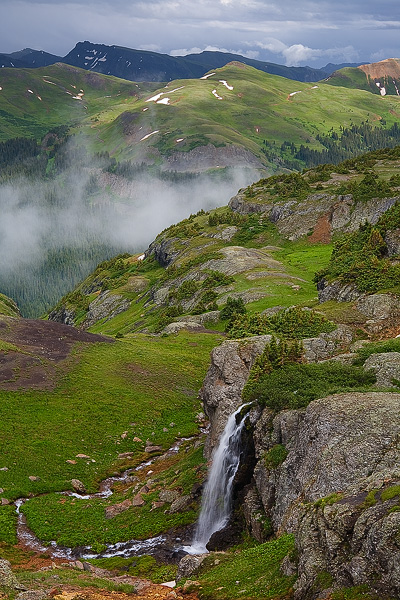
(228, 87)
(45, 80)
(30, 91)
(163, 101)
(207, 76)
(155, 98)
(103, 58)
(141, 257)
(294, 93)
(38, 97)
(214, 92)
(148, 135)
(314, 87)
(377, 84)
(176, 89)
(147, 108)
(383, 91)
(0, 88)
(178, 140)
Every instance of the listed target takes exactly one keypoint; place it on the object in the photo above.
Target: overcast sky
(291, 32)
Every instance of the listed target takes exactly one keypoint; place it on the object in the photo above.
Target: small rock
(168, 495)
(4, 469)
(172, 424)
(71, 462)
(125, 455)
(79, 565)
(5, 501)
(189, 564)
(124, 435)
(82, 456)
(34, 478)
(169, 584)
(157, 504)
(1, 490)
(78, 486)
(116, 509)
(137, 500)
(180, 504)
(144, 490)
(136, 439)
(151, 449)
(165, 429)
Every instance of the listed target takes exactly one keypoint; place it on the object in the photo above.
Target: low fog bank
(53, 233)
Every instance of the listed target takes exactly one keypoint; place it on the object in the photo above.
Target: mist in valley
(54, 231)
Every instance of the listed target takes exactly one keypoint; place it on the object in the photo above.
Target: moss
(275, 456)
(329, 500)
(390, 493)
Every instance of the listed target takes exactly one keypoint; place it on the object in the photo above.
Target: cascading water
(217, 496)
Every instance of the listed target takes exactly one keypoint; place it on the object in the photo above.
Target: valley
(225, 275)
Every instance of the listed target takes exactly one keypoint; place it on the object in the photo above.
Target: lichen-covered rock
(327, 344)
(189, 564)
(7, 577)
(337, 290)
(386, 366)
(392, 239)
(379, 306)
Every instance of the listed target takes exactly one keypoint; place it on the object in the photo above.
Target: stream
(160, 544)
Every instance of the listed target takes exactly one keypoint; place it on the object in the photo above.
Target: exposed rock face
(105, 306)
(337, 290)
(337, 487)
(224, 382)
(164, 251)
(379, 306)
(296, 218)
(63, 315)
(189, 564)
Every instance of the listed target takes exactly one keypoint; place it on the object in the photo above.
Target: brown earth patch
(42, 345)
(322, 230)
(389, 67)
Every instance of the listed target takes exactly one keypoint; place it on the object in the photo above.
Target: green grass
(138, 386)
(249, 573)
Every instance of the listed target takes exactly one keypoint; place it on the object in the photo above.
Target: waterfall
(217, 496)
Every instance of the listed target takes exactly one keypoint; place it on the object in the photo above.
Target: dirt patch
(322, 230)
(42, 345)
(389, 67)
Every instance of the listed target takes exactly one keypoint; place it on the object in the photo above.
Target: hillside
(108, 431)
(379, 78)
(263, 249)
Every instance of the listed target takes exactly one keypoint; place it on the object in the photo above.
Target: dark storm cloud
(293, 32)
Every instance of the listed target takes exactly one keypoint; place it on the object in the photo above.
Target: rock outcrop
(337, 485)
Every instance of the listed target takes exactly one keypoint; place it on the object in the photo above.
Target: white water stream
(217, 496)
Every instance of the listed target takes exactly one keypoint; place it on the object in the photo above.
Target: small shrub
(233, 307)
(293, 323)
(296, 385)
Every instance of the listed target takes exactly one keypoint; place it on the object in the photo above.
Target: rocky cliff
(336, 486)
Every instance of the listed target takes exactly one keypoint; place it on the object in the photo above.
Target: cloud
(296, 54)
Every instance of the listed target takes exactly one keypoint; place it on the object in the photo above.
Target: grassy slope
(258, 108)
(138, 386)
(26, 114)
